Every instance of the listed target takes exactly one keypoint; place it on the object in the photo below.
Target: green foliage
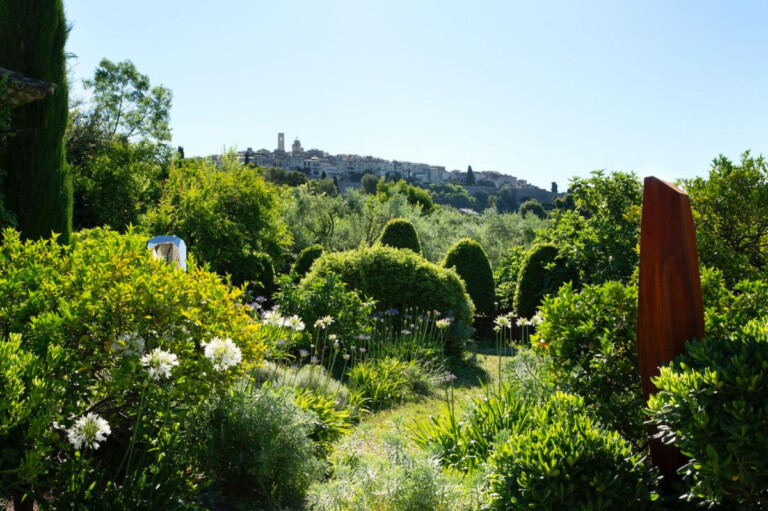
(469, 260)
(728, 310)
(532, 207)
(730, 209)
(323, 186)
(284, 177)
(400, 233)
(400, 279)
(126, 105)
(470, 176)
(395, 480)
(368, 183)
(712, 405)
(590, 338)
(541, 273)
(225, 215)
(306, 258)
(563, 459)
(117, 184)
(506, 277)
(86, 314)
(385, 381)
(452, 195)
(326, 294)
(256, 445)
(464, 442)
(35, 179)
(599, 237)
(415, 196)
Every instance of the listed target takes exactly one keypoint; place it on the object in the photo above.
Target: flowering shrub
(109, 332)
(400, 280)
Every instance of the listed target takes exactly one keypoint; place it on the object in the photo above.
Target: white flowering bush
(107, 333)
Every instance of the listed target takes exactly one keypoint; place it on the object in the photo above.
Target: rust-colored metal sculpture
(670, 310)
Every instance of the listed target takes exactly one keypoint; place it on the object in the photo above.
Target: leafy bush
(326, 294)
(306, 258)
(255, 268)
(566, 460)
(400, 233)
(506, 278)
(713, 404)
(256, 445)
(86, 315)
(224, 214)
(533, 207)
(469, 260)
(385, 382)
(395, 480)
(591, 341)
(541, 273)
(400, 279)
(727, 310)
(464, 442)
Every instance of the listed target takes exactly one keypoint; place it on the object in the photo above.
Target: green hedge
(400, 233)
(470, 261)
(542, 273)
(401, 280)
(306, 258)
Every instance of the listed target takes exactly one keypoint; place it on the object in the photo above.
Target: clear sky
(540, 90)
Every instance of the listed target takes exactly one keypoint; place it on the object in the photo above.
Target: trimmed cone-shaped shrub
(400, 233)
(36, 185)
(542, 273)
(470, 261)
(401, 280)
(306, 258)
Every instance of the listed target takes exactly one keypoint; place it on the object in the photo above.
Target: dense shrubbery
(541, 272)
(726, 310)
(399, 233)
(532, 207)
(86, 315)
(388, 381)
(326, 295)
(713, 404)
(589, 336)
(224, 214)
(396, 479)
(400, 279)
(506, 278)
(563, 459)
(306, 259)
(256, 445)
(469, 260)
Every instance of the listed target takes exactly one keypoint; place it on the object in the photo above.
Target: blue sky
(540, 90)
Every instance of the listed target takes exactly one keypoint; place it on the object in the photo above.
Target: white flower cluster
(159, 363)
(129, 344)
(324, 322)
(223, 353)
(503, 322)
(273, 317)
(443, 323)
(88, 431)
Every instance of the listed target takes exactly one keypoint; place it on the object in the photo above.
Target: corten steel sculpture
(670, 310)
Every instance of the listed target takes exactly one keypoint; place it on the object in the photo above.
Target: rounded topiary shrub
(469, 260)
(400, 233)
(713, 404)
(306, 258)
(541, 273)
(400, 279)
(563, 459)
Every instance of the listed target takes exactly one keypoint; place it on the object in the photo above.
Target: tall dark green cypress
(37, 186)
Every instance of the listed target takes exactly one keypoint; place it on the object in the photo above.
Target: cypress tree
(470, 176)
(37, 186)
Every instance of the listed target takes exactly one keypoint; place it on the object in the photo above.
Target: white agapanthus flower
(503, 322)
(88, 431)
(537, 319)
(273, 317)
(159, 363)
(129, 344)
(294, 323)
(223, 353)
(323, 322)
(443, 323)
(523, 322)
